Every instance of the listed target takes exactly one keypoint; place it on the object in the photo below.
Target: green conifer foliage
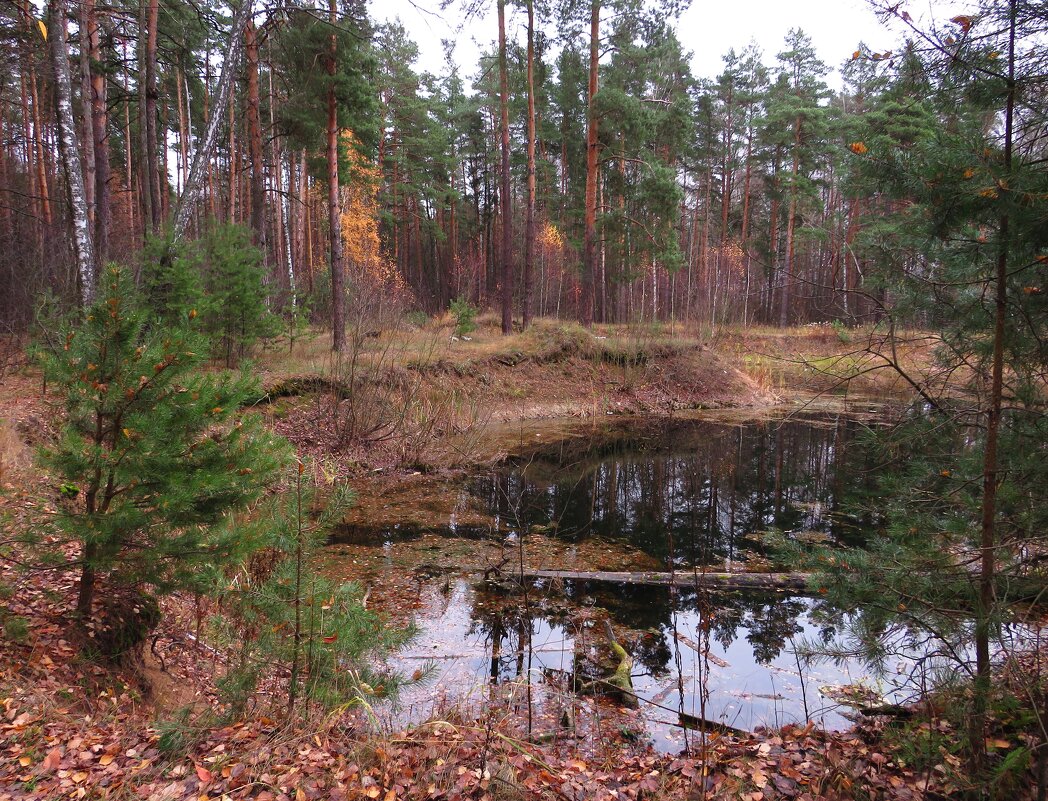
(153, 452)
(172, 285)
(219, 279)
(286, 619)
(237, 310)
(964, 241)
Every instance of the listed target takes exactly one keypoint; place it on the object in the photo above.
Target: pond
(685, 491)
(661, 494)
(743, 670)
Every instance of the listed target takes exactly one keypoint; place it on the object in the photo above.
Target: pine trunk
(589, 246)
(504, 185)
(529, 222)
(338, 299)
(988, 534)
(100, 123)
(254, 129)
(791, 224)
(156, 183)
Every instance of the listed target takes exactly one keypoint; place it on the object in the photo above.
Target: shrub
(417, 318)
(16, 629)
(841, 330)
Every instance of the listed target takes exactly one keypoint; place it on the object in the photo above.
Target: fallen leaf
(52, 760)
(758, 778)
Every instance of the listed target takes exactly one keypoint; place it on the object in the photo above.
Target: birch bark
(198, 172)
(69, 149)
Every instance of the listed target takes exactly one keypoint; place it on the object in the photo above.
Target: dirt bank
(425, 400)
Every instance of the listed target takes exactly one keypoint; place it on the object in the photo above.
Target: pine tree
(237, 313)
(153, 452)
(322, 103)
(965, 470)
(797, 124)
(282, 617)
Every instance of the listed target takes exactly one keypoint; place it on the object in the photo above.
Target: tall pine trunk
(156, 183)
(100, 123)
(791, 224)
(254, 130)
(988, 533)
(504, 186)
(589, 240)
(529, 222)
(338, 277)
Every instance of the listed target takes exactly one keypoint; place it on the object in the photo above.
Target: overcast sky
(708, 29)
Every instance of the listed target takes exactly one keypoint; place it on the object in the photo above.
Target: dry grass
(821, 358)
(412, 347)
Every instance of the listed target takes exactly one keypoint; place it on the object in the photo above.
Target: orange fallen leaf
(52, 760)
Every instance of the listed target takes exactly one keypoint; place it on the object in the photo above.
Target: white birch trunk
(69, 148)
(197, 173)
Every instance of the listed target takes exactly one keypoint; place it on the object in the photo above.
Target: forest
(547, 180)
(563, 425)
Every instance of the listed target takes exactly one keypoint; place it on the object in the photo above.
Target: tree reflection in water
(709, 486)
(686, 494)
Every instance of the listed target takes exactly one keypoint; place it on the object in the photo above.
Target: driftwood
(702, 724)
(887, 710)
(722, 581)
(621, 681)
(618, 683)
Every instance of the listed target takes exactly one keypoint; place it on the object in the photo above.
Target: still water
(685, 491)
(663, 494)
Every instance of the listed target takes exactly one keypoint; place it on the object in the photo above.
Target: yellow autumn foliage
(360, 226)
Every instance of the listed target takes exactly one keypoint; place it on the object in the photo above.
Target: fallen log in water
(722, 581)
(702, 724)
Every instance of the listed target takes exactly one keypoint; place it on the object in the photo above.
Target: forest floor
(154, 728)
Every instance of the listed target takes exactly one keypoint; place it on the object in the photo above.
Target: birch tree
(69, 147)
(220, 101)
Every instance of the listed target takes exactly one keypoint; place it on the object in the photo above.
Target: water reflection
(743, 652)
(683, 492)
(686, 491)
